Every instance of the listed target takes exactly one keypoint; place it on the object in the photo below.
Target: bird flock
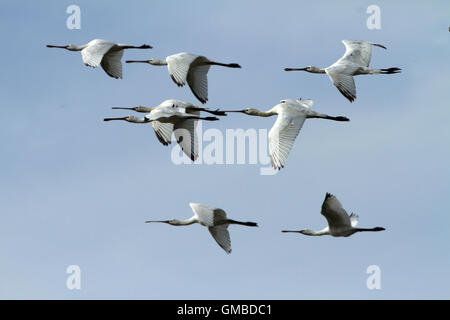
(180, 118)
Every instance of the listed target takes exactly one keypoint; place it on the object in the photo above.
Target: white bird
(215, 219)
(173, 116)
(292, 113)
(340, 224)
(102, 52)
(193, 69)
(355, 62)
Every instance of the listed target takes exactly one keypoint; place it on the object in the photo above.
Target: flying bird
(173, 116)
(215, 219)
(355, 62)
(340, 224)
(291, 114)
(193, 69)
(102, 52)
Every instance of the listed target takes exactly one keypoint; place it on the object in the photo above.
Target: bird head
(306, 232)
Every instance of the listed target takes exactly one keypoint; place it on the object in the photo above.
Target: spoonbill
(215, 219)
(340, 224)
(186, 67)
(291, 113)
(173, 116)
(355, 62)
(102, 52)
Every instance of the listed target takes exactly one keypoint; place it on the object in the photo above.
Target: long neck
(260, 113)
(308, 232)
(186, 222)
(316, 233)
(158, 62)
(77, 48)
(248, 223)
(316, 70)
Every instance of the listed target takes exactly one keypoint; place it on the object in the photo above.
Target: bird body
(101, 52)
(173, 117)
(215, 219)
(340, 224)
(354, 62)
(188, 68)
(291, 114)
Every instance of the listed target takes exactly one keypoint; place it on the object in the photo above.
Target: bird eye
(283, 101)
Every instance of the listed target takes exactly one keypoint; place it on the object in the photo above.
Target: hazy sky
(75, 190)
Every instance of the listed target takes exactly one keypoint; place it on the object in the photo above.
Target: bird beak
(134, 61)
(295, 69)
(151, 221)
(120, 108)
(51, 46)
(110, 119)
(242, 111)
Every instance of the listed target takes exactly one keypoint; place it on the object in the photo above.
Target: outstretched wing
(178, 65)
(93, 54)
(112, 65)
(282, 137)
(358, 52)
(198, 80)
(163, 131)
(222, 237)
(204, 213)
(342, 78)
(335, 214)
(186, 136)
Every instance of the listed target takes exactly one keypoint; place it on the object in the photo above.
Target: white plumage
(106, 53)
(355, 61)
(189, 68)
(215, 219)
(340, 224)
(174, 117)
(292, 113)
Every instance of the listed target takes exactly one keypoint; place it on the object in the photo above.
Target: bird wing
(178, 65)
(112, 65)
(163, 131)
(93, 54)
(354, 219)
(335, 214)
(198, 80)
(282, 137)
(222, 237)
(358, 52)
(203, 213)
(342, 78)
(186, 136)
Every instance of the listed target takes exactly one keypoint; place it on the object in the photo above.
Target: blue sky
(76, 190)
